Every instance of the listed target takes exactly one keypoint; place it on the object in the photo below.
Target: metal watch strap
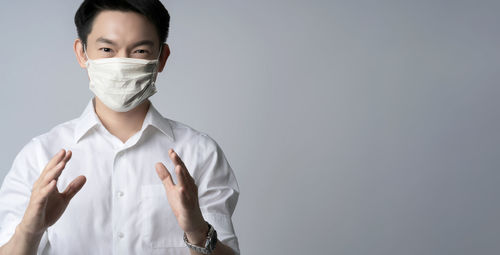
(210, 242)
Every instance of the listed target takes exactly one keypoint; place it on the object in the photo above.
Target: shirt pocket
(159, 226)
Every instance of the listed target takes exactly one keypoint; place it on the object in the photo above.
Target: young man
(128, 180)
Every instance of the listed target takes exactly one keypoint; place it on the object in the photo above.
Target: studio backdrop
(353, 127)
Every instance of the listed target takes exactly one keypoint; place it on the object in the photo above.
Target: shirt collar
(89, 120)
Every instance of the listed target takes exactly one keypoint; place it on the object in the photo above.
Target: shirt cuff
(225, 231)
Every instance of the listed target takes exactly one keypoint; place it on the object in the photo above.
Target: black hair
(153, 10)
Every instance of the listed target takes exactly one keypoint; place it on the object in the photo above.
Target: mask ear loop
(155, 75)
(85, 52)
(159, 54)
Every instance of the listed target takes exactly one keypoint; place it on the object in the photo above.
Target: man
(128, 181)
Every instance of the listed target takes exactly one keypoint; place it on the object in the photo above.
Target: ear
(80, 55)
(165, 52)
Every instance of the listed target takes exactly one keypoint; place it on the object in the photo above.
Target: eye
(107, 50)
(141, 51)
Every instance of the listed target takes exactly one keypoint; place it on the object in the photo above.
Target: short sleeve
(15, 191)
(218, 191)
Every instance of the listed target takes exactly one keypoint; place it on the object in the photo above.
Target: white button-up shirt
(123, 207)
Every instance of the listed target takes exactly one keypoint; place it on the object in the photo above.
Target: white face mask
(122, 83)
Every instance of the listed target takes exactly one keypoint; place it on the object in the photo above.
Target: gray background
(353, 127)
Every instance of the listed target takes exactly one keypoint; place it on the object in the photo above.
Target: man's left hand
(183, 199)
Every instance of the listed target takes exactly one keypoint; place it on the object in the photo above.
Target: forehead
(124, 28)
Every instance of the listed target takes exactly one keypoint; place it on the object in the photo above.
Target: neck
(123, 125)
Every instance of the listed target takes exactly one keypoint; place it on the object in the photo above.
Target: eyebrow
(104, 40)
(143, 43)
(139, 43)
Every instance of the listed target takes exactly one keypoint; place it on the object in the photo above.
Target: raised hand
(183, 199)
(46, 203)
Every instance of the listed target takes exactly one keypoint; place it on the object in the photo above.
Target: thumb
(74, 187)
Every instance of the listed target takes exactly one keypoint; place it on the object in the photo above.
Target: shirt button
(120, 235)
(120, 193)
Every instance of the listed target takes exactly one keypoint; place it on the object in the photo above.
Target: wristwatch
(209, 243)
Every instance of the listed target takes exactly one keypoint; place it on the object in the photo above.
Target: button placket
(118, 197)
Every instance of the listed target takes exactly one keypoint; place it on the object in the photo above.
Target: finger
(45, 191)
(68, 155)
(51, 174)
(188, 180)
(54, 173)
(181, 177)
(164, 175)
(178, 161)
(61, 156)
(54, 160)
(74, 187)
(175, 158)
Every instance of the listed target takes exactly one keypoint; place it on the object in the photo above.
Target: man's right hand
(45, 207)
(46, 203)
